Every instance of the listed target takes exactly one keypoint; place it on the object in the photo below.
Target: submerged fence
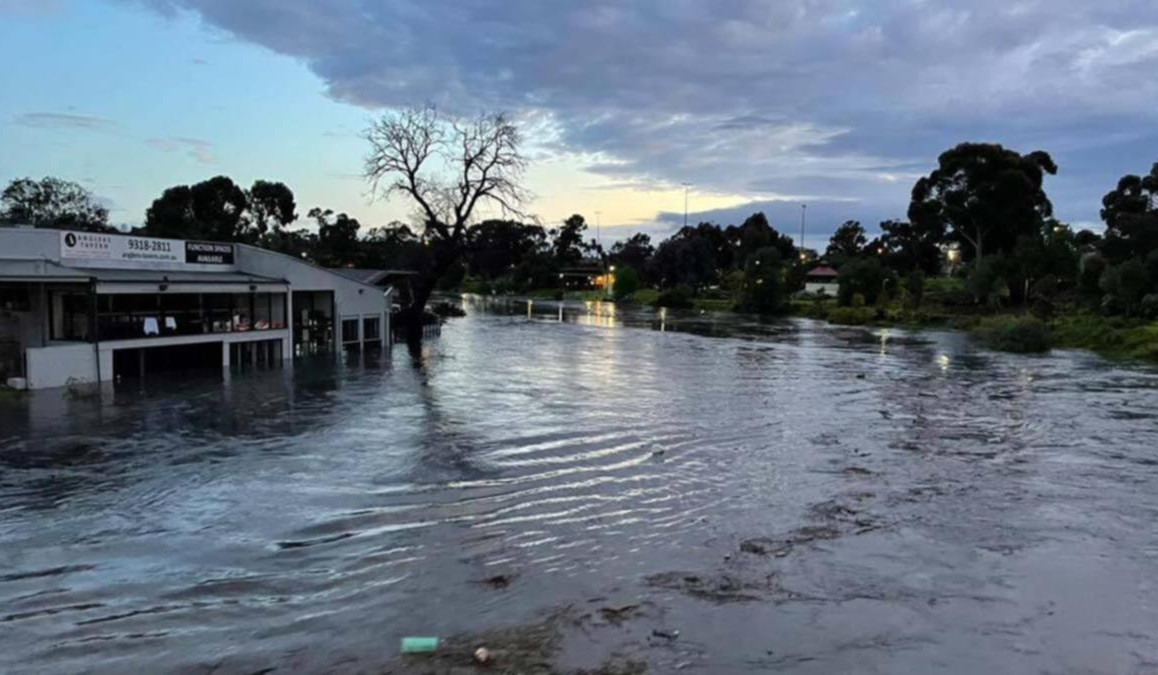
(398, 333)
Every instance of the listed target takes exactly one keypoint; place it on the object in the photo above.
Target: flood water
(789, 496)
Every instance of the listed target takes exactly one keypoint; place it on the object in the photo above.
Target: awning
(39, 271)
(110, 281)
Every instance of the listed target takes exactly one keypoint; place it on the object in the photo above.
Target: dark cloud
(48, 120)
(821, 220)
(824, 99)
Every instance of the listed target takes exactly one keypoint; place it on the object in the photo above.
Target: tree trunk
(443, 254)
(411, 317)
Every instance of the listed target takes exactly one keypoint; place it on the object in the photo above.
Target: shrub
(764, 282)
(1152, 271)
(676, 297)
(851, 316)
(1021, 335)
(948, 291)
(626, 283)
(861, 275)
(986, 281)
(915, 287)
(1148, 308)
(890, 289)
(1090, 270)
(1123, 285)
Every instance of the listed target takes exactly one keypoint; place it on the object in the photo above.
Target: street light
(686, 186)
(803, 211)
(599, 231)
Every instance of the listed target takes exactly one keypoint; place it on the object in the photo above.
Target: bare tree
(447, 167)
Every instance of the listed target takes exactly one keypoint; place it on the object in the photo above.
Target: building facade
(85, 307)
(822, 281)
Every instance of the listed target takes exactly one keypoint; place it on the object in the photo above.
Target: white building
(83, 307)
(821, 280)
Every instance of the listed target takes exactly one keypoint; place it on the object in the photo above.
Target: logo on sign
(82, 245)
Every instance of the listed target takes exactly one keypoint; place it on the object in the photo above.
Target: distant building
(85, 307)
(582, 278)
(398, 280)
(821, 281)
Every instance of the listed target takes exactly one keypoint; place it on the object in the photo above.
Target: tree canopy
(984, 195)
(1131, 216)
(271, 208)
(568, 244)
(847, 242)
(212, 210)
(909, 246)
(495, 247)
(53, 203)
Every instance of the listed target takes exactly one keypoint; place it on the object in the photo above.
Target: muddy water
(788, 496)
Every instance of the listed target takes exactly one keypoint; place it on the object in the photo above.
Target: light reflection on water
(993, 511)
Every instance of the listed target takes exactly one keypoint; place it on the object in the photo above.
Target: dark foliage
(53, 203)
(985, 196)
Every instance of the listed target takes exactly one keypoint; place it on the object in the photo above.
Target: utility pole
(686, 186)
(803, 211)
(598, 232)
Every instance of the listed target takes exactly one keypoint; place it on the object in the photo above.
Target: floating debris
(419, 645)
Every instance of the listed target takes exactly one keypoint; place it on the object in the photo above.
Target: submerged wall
(49, 367)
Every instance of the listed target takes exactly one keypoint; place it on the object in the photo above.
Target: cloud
(821, 220)
(48, 120)
(821, 99)
(197, 149)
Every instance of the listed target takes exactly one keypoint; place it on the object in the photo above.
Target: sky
(761, 105)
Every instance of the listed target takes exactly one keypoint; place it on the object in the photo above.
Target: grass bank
(946, 305)
(8, 394)
(1112, 336)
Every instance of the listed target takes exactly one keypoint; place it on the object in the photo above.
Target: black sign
(208, 253)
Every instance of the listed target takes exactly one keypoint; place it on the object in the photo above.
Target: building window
(370, 328)
(349, 331)
(15, 298)
(69, 313)
(133, 316)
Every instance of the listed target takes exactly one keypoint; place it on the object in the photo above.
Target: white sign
(83, 246)
(92, 246)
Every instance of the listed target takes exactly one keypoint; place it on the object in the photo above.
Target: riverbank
(1070, 328)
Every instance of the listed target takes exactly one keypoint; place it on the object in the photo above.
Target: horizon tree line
(985, 203)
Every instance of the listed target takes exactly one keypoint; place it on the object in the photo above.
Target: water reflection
(304, 519)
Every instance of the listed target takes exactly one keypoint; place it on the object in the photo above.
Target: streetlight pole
(686, 186)
(803, 211)
(599, 232)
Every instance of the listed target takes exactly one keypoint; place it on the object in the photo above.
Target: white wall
(53, 366)
(821, 288)
(351, 299)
